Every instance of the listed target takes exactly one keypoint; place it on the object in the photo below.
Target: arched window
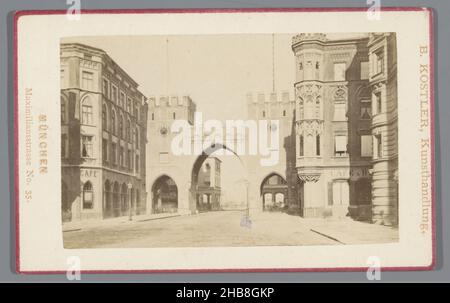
(317, 145)
(128, 130)
(86, 111)
(88, 196)
(136, 138)
(121, 125)
(104, 117)
(136, 112)
(301, 144)
(113, 121)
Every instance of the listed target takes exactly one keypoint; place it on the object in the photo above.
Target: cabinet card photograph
(256, 140)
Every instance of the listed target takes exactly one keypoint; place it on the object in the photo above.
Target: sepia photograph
(229, 140)
(294, 140)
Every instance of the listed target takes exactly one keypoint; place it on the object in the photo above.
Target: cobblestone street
(223, 228)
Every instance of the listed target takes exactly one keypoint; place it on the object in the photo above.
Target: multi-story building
(103, 136)
(383, 85)
(333, 125)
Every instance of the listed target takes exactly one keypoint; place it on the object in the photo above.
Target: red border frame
(19, 14)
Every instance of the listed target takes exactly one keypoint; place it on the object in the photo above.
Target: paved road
(222, 228)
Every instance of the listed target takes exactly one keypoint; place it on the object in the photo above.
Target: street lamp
(130, 211)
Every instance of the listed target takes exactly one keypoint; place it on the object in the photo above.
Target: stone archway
(164, 195)
(273, 191)
(210, 199)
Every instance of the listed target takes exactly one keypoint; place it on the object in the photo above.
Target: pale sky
(217, 71)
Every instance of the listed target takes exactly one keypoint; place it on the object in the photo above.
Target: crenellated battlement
(273, 97)
(309, 37)
(170, 101)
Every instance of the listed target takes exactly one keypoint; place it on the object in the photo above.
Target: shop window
(88, 196)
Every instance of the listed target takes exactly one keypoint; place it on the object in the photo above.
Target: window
(339, 112)
(113, 122)
(128, 131)
(64, 145)
(317, 145)
(366, 109)
(378, 102)
(114, 153)
(339, 71)
(136, 138)
(120, 126)
(88, 196)
(121, 151)
(86, 112)
(300, 66)
(153, 116)
(129, 105)
(86, 146)
(105, 150)
(301, 146)
(340, 145)
(378, 146)
(114, 93)
(87, 80)
(130, 159)
(106, 88)
(174, 116)
(122, 99)
(136, 112)
(284, 113)
(364, 66)
(136, 163)
(366, 146)
(264, 113)
(104, 117)
(63, 111)
(317, 65)
(378, 62)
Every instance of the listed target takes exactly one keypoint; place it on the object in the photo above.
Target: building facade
(383, 84)
(103, 137)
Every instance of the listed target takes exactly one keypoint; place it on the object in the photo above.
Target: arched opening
(123, 199)
(88, 196)
(274, 192)
(108, 206)
(206, 180)
(116, 200)
(164, 195)
(66, 209)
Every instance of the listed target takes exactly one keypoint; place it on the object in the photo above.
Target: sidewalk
(80, 225)
(348, 231)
